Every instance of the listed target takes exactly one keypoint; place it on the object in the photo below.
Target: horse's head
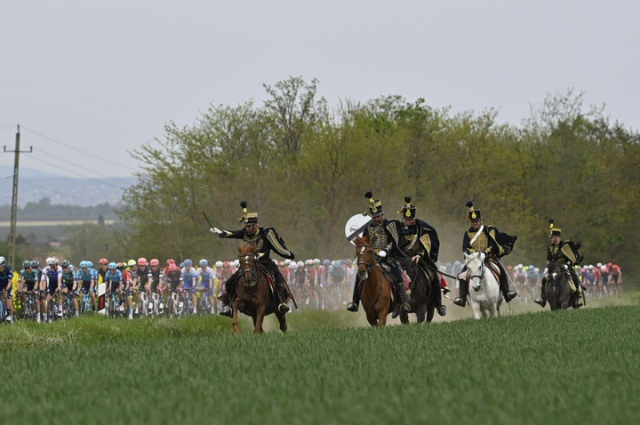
(475, 269)
(555, 272)
(248, 267)
(364, 253)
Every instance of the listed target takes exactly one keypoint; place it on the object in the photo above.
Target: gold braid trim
(568, 252)
(493, 236)
(226, 233)
(394, 234)
(276, 244)
(425, 240)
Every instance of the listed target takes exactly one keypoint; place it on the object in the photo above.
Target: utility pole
(14, 198)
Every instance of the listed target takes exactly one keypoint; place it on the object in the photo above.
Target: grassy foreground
(572, 367)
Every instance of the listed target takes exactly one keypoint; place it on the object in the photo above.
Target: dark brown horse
(375, 288)
(253, 294)
(557, 288)
(421, 301)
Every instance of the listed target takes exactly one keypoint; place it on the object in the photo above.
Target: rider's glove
(215, 230)
(382, 253)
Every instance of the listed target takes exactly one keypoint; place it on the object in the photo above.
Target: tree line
(304, 167)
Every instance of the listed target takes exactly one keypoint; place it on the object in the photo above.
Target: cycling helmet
(188, 262)
(51, 261)
(171, 261)
(218, 263)
(173, 268)
(89, 264)
(236, 263)
(327, 262)
(112, 266)
(131, 263)
(3, 261)
(182, 265)
(103, 261)
(316, 261)
(300, 264)
(35, 264)
(205, 263)
(142, 261)
(309, 263)
(65, 263)
(155, 262)
(83, 264)
(121, 265)
(287, 261)
(26, 264)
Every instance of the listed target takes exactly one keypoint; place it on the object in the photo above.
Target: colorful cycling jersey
(5, 277)
(205, 277)
(190, 278)
(68, 278)
(141, 274)
(156, 276)
(174, 279)
(51, 274)
(87, 276)
(28, 276)
(115, 277)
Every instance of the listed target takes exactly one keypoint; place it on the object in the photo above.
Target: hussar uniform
(421, 239)
(384, 239)
(494, 245)
(265, 240)
(566, 253)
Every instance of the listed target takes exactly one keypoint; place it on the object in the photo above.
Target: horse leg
(498, 305)
(260, 311)
(476, 310)
(421, 313)
(282, 320)
(234, 315)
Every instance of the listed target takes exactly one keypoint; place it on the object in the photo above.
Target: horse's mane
(246, 248)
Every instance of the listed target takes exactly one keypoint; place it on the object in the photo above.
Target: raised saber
(360, 230)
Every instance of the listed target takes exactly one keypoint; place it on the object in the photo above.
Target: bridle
(250, 273)
(479, 276)
(361, 248)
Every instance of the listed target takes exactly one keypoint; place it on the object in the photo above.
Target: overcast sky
(87, 77)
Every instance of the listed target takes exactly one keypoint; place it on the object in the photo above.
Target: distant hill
(35, 185)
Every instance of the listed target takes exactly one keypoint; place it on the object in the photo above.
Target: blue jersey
(115, 277)
(206, 277)
(6, 276)
(88, 276)
(188, 277)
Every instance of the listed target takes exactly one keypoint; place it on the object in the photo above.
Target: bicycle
(29, 307)
(85, 304)
(204, 305)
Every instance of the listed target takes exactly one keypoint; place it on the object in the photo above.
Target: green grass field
(571, 367)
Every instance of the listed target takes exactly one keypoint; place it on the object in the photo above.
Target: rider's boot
(437, 298)
(462, 296)
(353, 305)
(578, 294)
(542, 301)
(504, 288)
(230, 294)
(229, 311)
(404, 300)
(282, 295)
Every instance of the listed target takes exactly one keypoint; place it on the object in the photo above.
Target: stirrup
(283, 308)
(460, 302)
(352, 307)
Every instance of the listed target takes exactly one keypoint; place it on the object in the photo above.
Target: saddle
(489, 266)
(271, 279)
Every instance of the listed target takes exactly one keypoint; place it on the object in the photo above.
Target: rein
(370, 265)
(252, 270)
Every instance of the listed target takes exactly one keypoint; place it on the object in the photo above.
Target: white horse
(484, 288)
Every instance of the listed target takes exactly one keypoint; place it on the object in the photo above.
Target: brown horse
(375, 292)
(253, 294)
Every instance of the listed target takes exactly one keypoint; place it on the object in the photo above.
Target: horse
(375, 292)
(420, 300)
(484, 288)
(253, 294)
(557, 288)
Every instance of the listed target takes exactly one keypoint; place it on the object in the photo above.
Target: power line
(92, 155)
(82, 175)
(79, 166)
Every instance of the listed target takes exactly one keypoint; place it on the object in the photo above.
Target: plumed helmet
(374, 207)
(408, 211)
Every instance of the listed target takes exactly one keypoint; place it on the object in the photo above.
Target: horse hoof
(352, 307)
(442, 310)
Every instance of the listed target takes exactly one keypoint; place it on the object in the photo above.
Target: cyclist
(155, 283)
(206, 277)
(173, 284)
(6, 287)
(140, 278)
(69, 287)
(127, 287)
(113, 280)
(51, 282)
(86, 280)
(190, 285)
(26, 284)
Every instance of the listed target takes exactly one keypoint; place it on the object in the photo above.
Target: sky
(90, 81)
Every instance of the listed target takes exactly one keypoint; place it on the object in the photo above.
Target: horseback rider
(384, 237)
(420, 242)
(492, 245)
(265, 239)
(565, 252)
